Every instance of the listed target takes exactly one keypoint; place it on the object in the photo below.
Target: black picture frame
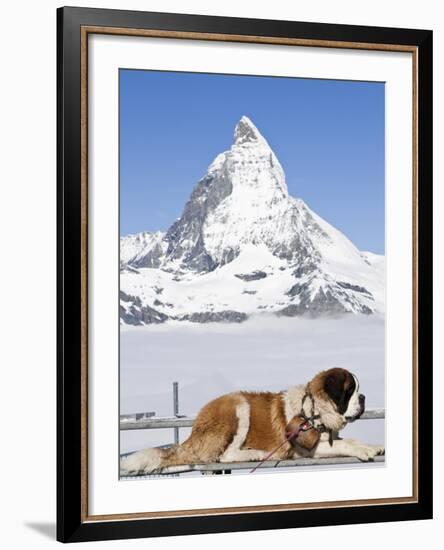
(73, 524)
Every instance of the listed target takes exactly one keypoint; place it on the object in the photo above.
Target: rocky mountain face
(243, 246)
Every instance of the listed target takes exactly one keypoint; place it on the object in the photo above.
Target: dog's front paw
(380, 450)
(367, 452)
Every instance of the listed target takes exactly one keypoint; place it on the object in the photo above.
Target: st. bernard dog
(247, 426)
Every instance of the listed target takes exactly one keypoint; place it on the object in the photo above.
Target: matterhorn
(244, 247)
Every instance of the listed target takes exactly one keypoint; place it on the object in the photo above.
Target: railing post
(176, 409)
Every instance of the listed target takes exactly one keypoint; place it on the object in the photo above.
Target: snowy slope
(140, 248)
(244, 246)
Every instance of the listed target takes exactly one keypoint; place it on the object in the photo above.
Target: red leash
(304, 426)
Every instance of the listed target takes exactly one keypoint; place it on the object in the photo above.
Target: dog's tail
(153, 460)
(208, 440)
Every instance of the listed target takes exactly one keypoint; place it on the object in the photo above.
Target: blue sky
(328, 136)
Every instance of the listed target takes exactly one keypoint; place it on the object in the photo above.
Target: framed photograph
(244, 274)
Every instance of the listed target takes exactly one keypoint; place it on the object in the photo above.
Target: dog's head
(337, 398)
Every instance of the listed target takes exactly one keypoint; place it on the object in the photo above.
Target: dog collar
(311, 419)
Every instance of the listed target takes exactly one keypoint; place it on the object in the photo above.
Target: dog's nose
(361, 400)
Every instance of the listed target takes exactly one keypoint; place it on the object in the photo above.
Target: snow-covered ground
(265, 353)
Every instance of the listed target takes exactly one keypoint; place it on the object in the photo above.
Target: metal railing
(140, 421)
(131, 422)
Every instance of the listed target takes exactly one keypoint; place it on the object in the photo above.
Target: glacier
(243, 247)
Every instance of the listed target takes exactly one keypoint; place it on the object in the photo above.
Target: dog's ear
(334, 384)
(339, 385)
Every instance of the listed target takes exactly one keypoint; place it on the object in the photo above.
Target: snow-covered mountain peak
(243, 245)
(252, 163)
(246, 131)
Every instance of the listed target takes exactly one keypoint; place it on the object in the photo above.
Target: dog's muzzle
(361, 401)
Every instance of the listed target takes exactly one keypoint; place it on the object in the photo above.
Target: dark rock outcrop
(254, 276)
(227, 316)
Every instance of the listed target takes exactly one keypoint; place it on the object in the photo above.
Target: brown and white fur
(247, 426)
